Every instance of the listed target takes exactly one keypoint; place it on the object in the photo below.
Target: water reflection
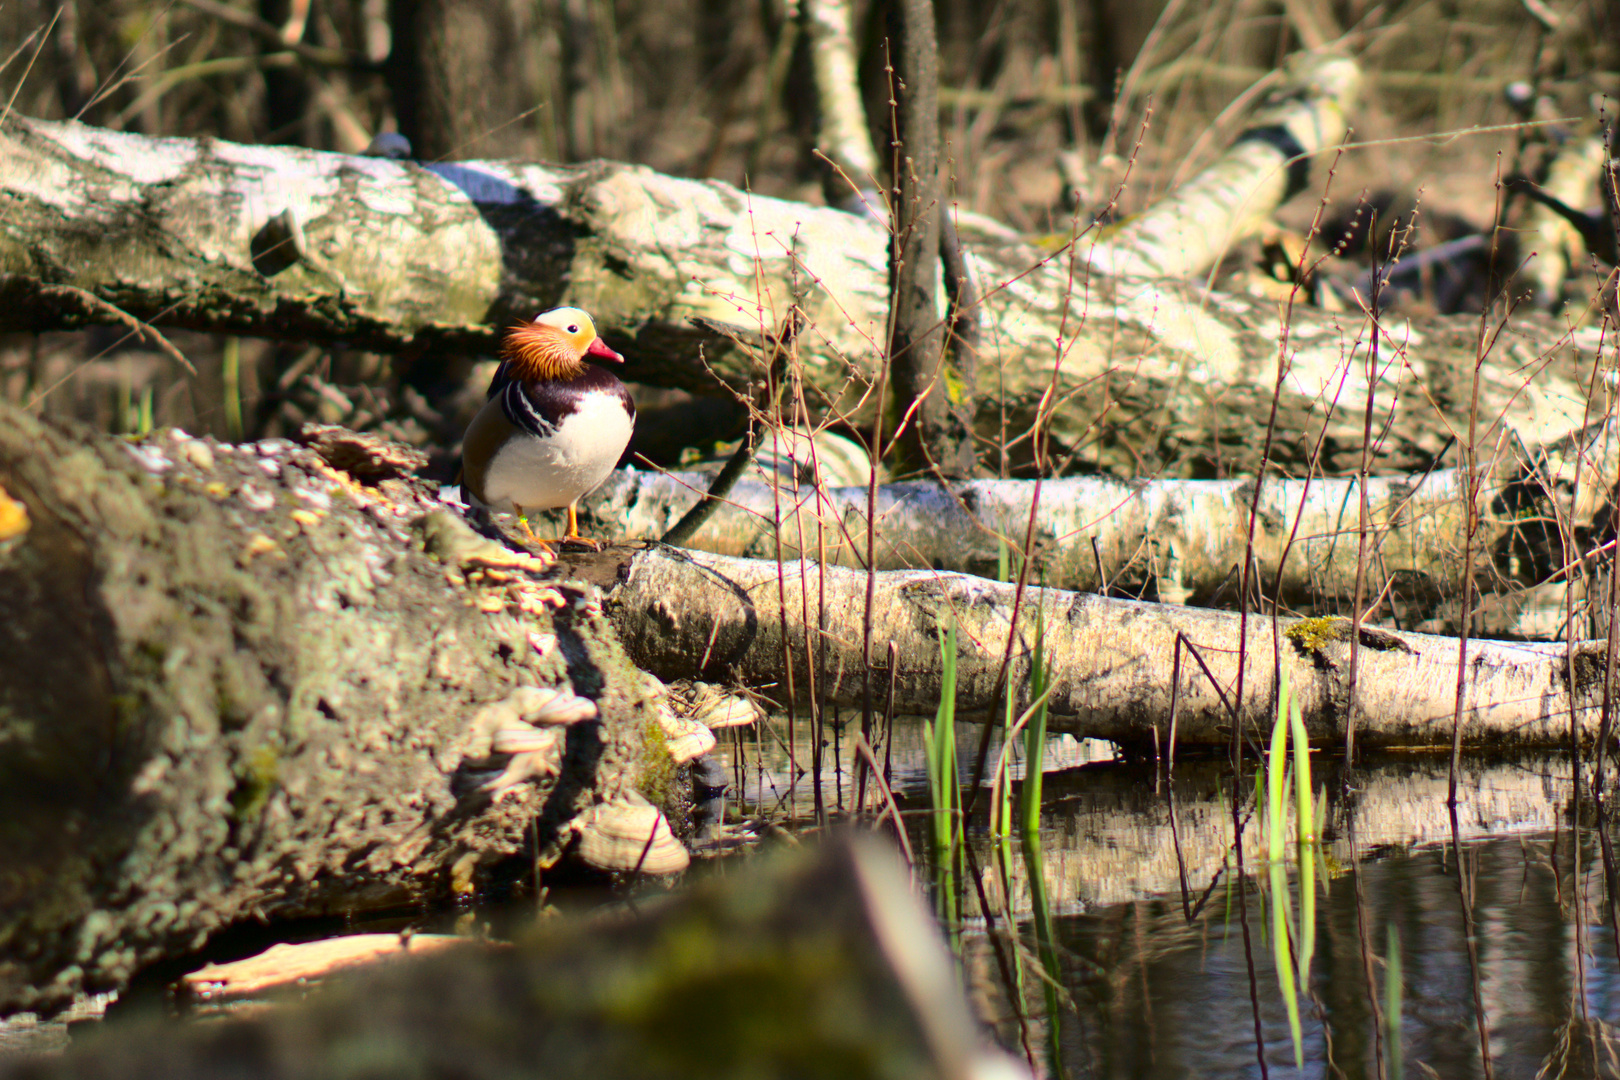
(1140, 869)
(772, 767)
(1156, 996)
(1158, 993)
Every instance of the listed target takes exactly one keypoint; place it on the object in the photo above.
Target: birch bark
(686, 614)
(1153, 378)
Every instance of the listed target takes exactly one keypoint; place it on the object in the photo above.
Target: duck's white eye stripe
(573, 329)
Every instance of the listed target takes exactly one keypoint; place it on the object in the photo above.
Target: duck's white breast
(555, 470)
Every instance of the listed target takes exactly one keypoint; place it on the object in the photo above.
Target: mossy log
(236, 682)
(820, 966)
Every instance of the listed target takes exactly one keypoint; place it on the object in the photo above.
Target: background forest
(1048, 109)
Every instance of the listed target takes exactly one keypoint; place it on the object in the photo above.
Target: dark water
(1158, 996)
(1157, 992)
(1162, 983)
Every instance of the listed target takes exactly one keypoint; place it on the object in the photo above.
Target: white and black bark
(1112, 663)
(1181, 541)
(1155, 378)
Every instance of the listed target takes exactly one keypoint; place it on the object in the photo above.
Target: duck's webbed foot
(573, 539)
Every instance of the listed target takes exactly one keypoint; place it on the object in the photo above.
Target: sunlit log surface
(686, 613)
(235, 682)
(1558, 251)
(1200, 222)
(1178, 541)
(1151, 378)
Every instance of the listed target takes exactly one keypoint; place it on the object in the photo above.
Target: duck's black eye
(573, 329)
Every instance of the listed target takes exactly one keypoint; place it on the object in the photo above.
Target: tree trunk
(1111, 662)
(448, 106)
(843, 136)
(234, 682)
(925, 432)
(1156, 378)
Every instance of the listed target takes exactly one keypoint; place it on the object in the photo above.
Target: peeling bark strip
(233, 682)
(685, 613)
(1157, 378)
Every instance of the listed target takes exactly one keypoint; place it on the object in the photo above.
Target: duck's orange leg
(523, 519)
(573, 536)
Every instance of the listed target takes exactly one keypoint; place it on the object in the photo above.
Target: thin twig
(145, 329)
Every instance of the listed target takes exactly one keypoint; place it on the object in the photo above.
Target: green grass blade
(1392, 1002)
(940, 745)
(1281, 952)
(1305, 834)
(1305, 816)
(230, 374)
(1046, 948)
(1276, 774)
(1035, 737)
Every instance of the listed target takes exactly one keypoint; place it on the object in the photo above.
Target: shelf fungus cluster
(524, 736)
(529, 725)
(712, 706)
(690, 713)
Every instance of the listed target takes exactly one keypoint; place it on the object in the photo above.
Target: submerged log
(1111, 662)
(234, 682)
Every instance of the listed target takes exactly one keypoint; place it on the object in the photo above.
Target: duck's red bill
(599, 348)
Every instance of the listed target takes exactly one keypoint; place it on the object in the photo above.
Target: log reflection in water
(1157, 996)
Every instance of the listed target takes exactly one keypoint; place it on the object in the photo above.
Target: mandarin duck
(553, 426)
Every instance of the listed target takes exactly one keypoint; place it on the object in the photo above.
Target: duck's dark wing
(500, 381)
(527, 407)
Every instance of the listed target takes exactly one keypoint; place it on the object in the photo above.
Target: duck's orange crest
(536, 352)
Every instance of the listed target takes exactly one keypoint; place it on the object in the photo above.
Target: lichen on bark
(233, 681)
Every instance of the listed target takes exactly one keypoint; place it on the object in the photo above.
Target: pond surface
(1159, 979)
(1158, 996)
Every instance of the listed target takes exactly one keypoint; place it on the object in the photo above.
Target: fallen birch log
(1151, 377)
(1199, 223)
(234, 681)
(693, 614)
(1175, 541)
(1557, 249)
